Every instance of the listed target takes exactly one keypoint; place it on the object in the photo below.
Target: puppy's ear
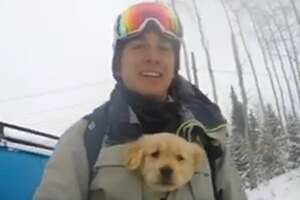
(198, 155)
(134, 155)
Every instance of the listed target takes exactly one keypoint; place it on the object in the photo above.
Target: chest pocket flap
(112, 180)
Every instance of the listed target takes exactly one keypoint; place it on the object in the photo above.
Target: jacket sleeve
(66, 173)
(228, 180)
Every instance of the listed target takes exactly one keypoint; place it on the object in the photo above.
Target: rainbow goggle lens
(133, 20)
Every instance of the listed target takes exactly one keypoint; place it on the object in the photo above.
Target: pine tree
(293, 126)
(254, 129)
(238, 144)
(237, 118)
(255, 135)
(271, 145)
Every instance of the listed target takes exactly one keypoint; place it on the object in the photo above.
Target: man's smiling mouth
(151, 74)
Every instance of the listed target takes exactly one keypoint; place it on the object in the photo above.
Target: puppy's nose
(166, 172)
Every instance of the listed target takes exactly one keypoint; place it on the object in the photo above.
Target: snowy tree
(237, 118)
(254, 129)
(255, 141)
(238, 144)
(271, 146)
(293, 126)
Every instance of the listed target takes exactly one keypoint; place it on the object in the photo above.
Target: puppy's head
(165, 160)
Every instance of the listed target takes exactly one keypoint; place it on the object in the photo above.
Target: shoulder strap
(94, 134)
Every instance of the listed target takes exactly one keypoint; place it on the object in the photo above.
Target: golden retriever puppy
(165, 161)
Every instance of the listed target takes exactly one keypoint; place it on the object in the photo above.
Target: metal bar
(31, 131)
(27, 143)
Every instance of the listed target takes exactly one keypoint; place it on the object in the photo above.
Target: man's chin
(154, 94)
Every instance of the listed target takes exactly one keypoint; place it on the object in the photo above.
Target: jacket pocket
(112, 181)
(201, 183)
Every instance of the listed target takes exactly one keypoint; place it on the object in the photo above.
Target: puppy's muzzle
(166, 173)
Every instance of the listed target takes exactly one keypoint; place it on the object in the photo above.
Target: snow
(284, 187)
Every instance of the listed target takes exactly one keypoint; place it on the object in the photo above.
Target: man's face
(148, 65)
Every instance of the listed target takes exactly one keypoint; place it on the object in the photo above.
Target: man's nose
(153, 56)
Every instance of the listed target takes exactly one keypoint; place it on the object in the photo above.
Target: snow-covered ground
(284, 187)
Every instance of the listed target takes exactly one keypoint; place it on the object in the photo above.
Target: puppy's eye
(155, 154)
(179, 158)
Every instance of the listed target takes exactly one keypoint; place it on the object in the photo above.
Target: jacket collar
(194, 106)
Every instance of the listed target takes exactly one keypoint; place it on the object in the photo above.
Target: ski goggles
(134, 19)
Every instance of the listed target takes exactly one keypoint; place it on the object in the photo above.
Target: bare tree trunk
(260, 37)
(290, 59)
(260, 42)
(249, 56)
(273, 66)
(296, 12)
(253, 178)
(207, 54)
(277, 49)
(194, 69)
(264, 54)
(269, 51)
(186, 59)
(291, 37)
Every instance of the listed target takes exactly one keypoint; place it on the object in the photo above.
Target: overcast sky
(55, 58)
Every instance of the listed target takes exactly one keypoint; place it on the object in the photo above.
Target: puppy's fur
(165, 161)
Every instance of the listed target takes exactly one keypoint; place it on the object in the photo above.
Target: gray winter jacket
(66, 175)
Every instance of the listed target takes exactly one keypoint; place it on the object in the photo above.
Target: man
(149, 97)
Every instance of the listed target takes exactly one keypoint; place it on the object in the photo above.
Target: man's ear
(134, 155)
(198, 155)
